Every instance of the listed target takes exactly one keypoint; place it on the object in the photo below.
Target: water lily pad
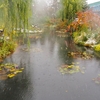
(9, 70)
(83, 55)
(69, 69)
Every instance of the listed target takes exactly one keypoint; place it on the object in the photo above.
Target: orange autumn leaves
(87, 19)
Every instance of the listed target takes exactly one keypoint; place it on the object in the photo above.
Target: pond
(41, 78)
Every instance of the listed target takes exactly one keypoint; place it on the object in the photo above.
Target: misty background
(43, 10)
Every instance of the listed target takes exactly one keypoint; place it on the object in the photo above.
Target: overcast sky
(91, 1)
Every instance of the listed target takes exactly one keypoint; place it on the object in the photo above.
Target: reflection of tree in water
(49, 38)
(69, 42)
(66, 47)
(43, 39)
(71, 45)
(63, 52)
(52, 41)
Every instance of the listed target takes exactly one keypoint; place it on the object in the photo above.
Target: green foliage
(75, 34)
(97, 47)
(7, 48)
(61, 24)
(70, 8)
(14, 14)
(79, 37)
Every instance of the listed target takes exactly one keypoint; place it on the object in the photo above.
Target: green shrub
(97, 47)
(75, 34)
(80, 43)
(84, 38)
(7, 48)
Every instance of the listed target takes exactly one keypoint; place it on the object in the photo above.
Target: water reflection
(16, 88)
(41, 79)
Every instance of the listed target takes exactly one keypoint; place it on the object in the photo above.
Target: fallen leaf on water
(11, 75)
(82, 55)
(69, 69)
(9, 70)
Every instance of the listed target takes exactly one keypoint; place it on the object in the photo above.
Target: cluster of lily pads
(69, 69)
(83, 55)
(9, 70)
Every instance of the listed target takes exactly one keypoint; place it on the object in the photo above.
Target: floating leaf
(11, 75)
(70, 69)
(83, 55)
(22, 68)
(9, 70)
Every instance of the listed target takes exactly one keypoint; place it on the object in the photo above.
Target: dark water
(41, 79)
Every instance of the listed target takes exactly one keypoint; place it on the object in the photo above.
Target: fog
(44, 9)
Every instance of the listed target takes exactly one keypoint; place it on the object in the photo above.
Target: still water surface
(41, 79)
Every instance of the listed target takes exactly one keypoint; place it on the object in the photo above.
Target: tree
(14, 14)
(71, 7)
